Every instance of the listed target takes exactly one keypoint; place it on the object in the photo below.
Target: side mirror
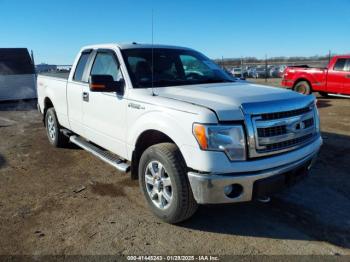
(105, 83)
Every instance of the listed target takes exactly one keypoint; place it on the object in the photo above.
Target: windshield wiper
(163, 83)
(215, 80)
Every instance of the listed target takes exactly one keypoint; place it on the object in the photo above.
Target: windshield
(171, 67)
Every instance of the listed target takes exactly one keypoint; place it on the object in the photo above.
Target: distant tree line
(317, 59)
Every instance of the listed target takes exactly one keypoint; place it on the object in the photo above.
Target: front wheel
(303, 87)
(164, 183)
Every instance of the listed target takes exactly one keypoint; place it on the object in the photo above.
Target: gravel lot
(42, 212)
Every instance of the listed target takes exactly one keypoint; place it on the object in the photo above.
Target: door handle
(347, 76)
(86, 96)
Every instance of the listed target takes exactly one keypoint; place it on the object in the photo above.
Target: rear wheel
(303, 87)
(55, 136)
(164, 183)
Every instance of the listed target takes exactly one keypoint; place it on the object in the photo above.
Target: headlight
(228, 139)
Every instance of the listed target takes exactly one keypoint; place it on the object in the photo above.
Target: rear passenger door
(104, 113)
(336, 77)
(75, 91)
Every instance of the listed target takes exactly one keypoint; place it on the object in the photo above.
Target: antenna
(153, 94)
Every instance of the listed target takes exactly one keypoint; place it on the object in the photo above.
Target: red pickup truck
(335, 79)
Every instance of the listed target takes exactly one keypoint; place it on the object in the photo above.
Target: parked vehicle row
(272, 71)
(238, 72)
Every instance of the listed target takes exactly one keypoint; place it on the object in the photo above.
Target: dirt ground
(66, 201)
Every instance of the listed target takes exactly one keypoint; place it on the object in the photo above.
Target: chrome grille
(286, 144)
(272, 131)
(277, 132)
(309, 122)
(285, 114)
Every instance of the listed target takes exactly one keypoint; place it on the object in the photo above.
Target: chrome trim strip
(285, 137)
(259, 123)
(266, 107)
(250, 135)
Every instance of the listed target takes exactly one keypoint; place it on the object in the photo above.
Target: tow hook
(264, 199)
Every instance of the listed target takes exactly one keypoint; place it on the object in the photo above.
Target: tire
(55, 136)
(323, 94)
(174, 202)
(303, 87)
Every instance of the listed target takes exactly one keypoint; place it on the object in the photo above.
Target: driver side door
(336, 77)
(346, 84)
(104, 113)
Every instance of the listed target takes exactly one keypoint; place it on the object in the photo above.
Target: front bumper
(209, 188)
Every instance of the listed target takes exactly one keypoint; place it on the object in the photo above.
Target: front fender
(180, 133)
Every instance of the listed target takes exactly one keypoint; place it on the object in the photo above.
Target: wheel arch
(47, 104)
(156, 127)
(145, 140)
(303, 79)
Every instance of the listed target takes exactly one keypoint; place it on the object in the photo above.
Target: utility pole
(222, 62)
(329, 56)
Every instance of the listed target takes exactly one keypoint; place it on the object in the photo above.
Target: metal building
(17, 74)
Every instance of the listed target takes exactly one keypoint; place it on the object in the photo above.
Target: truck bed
(53, 86)
(63, 75)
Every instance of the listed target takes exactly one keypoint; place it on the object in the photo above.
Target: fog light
(233, 191)
(228, 190)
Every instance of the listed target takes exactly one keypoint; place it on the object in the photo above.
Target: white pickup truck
(187, 130)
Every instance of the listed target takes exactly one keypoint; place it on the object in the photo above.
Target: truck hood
(226, 99)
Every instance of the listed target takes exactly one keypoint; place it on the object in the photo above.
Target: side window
(347, 67)
(79, 70)
(340, 64)
(106, 64)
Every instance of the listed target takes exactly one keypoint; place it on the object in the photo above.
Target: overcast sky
(56, 30)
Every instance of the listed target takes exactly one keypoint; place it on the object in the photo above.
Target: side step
(105, 156)
(339, 95)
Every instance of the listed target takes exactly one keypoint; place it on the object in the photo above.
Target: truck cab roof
(341, 56)
(133, 46)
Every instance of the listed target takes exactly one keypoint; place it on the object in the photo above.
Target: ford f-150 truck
(335, 79)
(186, 129)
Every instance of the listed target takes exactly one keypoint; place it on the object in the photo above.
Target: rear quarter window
(347, 67)
(80, 68)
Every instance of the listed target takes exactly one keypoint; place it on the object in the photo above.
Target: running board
(105, 156)
(339, 95)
